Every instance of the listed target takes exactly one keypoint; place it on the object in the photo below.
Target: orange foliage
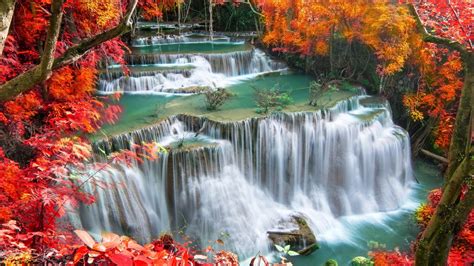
(307, 27)
(94, 16)
(24, 107)
(153, 9)
(439, 89)
(387, 29)
(384, 258)
(71, 83)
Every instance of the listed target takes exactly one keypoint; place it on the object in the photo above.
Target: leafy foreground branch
(112, 250)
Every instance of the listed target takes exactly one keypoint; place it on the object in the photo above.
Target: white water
(176, 39)
(187, 71)
(245, 176)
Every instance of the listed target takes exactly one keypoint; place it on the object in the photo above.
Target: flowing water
(346, 169)
(172, 67)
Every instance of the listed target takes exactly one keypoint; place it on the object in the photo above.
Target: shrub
(315, 92)
(361, 261)
(215, 99)
(271, 99)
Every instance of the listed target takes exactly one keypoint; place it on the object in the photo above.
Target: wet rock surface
(294, 231)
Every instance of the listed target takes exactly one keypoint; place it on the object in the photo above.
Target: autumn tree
(448, 25)
(314, 27)
(48, 75)
(434, 37)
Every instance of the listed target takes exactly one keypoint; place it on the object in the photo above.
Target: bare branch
(434, 156)
(253, 8)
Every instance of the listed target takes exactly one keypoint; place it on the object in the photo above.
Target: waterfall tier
(174, 72)
(242, 177)
(176, 39)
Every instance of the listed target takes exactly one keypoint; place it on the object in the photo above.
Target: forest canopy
(416, 54)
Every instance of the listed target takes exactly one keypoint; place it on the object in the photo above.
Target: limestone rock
(294, 231)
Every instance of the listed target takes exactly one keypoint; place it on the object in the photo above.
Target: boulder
(294, 231)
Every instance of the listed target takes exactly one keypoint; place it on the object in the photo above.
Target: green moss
(331, 262)
(188, 145)
(143, 110)
(361, 261)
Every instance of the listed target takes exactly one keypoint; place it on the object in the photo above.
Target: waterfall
(240, 178)
(186, 71)
(176, 39)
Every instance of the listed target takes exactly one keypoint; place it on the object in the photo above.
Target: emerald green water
(395, 229)
(141, 110)
(201, 47)
(392, 229)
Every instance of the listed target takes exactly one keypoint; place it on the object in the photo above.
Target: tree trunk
(448, 219)
(331, 52)
(54, 28)
(28, 79)
(6, 15)
(452, 212)
(211, 22)
(463, 117)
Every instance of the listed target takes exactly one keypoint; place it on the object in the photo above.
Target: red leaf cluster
(121, 250)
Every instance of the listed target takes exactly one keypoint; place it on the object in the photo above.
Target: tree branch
(6, 15)
(427, 37)
(253, 9)
(47, 58)
(434, 156)
(28, 79)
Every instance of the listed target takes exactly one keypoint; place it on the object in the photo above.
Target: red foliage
(154, 9)
(386, 258)
(121, 250)
(42, 131)
(448, 19)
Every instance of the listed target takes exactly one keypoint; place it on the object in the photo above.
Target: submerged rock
(294, 231)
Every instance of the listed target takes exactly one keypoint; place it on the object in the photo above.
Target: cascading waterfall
(242, 177)
(176, 39)
(186, 71)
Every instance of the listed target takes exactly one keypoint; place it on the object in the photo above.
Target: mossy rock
(361, 261)
(300, 237)
(331, 262)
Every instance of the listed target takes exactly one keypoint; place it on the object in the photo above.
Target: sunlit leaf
(293, 253)
(279, 248)
(85, 237)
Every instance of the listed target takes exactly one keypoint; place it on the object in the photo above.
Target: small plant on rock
(315, 92)
(216, 98)
(271, 99)
(286, 251)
